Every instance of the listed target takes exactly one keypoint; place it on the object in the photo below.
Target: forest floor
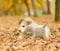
(9, 33)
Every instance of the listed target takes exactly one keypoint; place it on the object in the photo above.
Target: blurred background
(27, 7)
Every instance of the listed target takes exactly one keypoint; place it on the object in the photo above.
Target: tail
(45, 25)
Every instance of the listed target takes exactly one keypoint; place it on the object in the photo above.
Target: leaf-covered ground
(9, 33)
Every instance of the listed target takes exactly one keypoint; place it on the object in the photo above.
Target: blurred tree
(6, 4)
(5, 7)
(0, 7)
(39, 4)
(27, 5)
(11, 6)
(57, 11)
(46, 7)
(34, 7)
(14, 5)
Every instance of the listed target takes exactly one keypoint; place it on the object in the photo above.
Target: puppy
(29, 28)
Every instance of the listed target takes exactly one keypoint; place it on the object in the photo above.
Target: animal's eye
(23, 26)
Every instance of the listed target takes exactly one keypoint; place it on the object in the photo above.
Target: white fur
(37, 29)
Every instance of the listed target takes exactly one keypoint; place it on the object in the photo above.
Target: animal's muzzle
(19, 30)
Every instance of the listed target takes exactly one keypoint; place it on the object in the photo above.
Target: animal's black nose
(19, 30)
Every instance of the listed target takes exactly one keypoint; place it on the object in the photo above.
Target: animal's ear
(45, 25)
(29, 22)
(21, 21)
